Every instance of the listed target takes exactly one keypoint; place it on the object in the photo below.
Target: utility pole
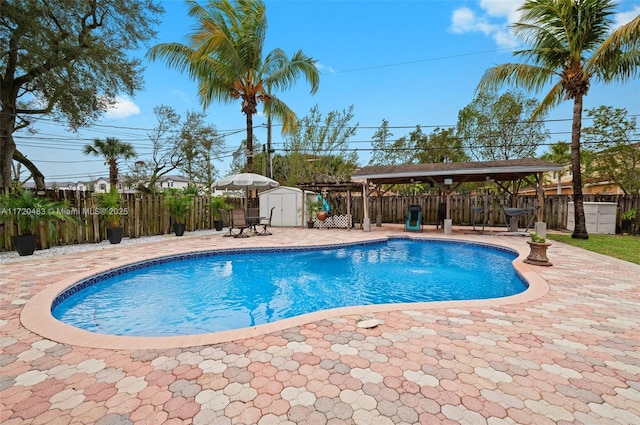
(269, 150)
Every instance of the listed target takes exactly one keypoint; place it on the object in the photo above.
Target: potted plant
(217, 203)
(628, 217)
(179, 206)
(27, 211)
(538, 251)
(313, 207)
(109, 209)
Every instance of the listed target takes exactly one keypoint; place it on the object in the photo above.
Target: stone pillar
(447, 226)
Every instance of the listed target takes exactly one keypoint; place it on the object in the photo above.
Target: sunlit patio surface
(567, 351)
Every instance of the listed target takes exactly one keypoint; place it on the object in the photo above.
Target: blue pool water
(232, 290)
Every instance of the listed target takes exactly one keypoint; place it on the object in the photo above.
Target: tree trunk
(249, 142)
(7, 147)
(36, 174)
(580, 229)
(113, 174)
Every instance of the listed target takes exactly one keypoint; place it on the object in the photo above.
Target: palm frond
(553, 98)
(281, 72)
(281, 111)
(526, 76)
(618, 57)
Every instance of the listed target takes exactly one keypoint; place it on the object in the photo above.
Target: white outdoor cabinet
(600, 217)
(288, 205)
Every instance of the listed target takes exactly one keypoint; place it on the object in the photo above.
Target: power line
(461, 55)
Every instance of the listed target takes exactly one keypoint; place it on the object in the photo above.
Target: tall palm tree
(571, 46)
(112, 150)
(225, 57)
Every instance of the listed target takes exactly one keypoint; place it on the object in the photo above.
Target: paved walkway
(571, 356)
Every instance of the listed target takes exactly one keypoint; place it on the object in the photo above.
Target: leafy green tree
(441, 145)
(614, 138)
(202, 145)
(225, 56)
(66, 59)
(387, 151)
(497, 127)
(112, 150)
(318, 149)
(560, 153)
(571, 46)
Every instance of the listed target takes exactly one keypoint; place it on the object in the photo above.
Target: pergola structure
(448, 176)
(323, 188)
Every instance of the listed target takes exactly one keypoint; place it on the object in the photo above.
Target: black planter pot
(114, 234)
(626, 226)
(178, 228)
(25, 244)
(218, 224)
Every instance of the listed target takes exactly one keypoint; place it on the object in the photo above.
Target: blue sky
(409, 62)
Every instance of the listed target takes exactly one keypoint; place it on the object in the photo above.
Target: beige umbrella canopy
(246, 182)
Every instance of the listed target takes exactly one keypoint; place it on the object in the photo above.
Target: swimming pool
(224, 290)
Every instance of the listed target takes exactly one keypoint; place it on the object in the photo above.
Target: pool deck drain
(569, 356)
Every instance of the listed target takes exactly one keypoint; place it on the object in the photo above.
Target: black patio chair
(266, 222)
(225, 217)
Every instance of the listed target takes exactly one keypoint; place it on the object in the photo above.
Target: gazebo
(448, 176)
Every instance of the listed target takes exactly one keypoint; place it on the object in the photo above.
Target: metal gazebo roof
(460, 172)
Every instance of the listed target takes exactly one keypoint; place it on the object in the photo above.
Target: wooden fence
(142, 215)
(555, 213)
(146, 214)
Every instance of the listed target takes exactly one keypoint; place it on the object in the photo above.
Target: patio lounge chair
(239, 221)
(225, 217)
(414, 219)
(266, 222)
(510, 213)
(477, 211)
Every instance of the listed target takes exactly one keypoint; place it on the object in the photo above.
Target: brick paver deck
(570, 356)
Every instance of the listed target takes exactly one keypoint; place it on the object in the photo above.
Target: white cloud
(502, 9)
(626, 17)
(324, 69)
(123, 108)
(463, 20)
(493, 20)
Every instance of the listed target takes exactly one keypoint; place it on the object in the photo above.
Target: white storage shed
(600, 217)
(288, 205)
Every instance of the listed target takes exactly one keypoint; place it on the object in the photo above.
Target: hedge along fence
(141, 215)
(146, 214)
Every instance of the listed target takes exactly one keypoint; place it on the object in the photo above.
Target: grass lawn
(623, 247)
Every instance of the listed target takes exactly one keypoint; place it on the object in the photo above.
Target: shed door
(290, 210)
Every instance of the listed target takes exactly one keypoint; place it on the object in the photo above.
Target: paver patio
(571, 356)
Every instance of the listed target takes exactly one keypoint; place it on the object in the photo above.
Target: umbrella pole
(246, 200)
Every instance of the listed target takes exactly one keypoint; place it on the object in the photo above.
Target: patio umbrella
(246, 181)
